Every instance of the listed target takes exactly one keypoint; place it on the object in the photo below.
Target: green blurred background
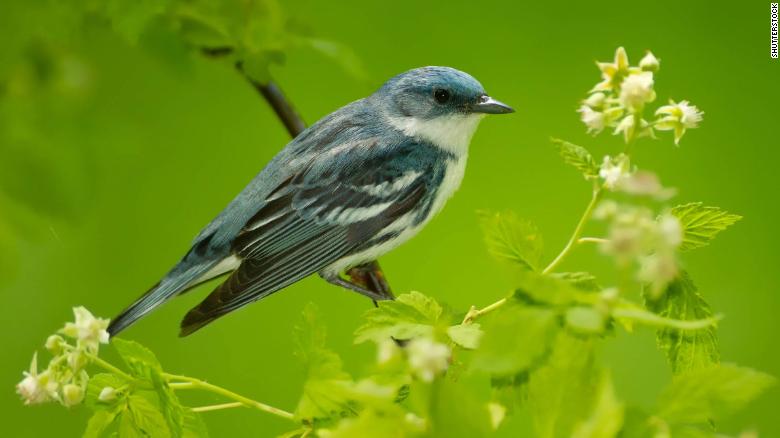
(109, 168)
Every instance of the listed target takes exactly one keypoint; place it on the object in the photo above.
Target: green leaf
(465, 335)
(373, 424)
(701, 223)
(510, 391)
(130, 17)
(193, 426)
(99, 422)
(516, 338)
(328, 390)
(685, 349)
(577, 156)
(408, 316)
(545, 289)
(511, 238)
(455, 411)
(606, 419)
(703, 395)
(137, 357)
(585, 320)
(584, 281)
(561, 392)
(142, 417)
(144, 365)
(96, 385)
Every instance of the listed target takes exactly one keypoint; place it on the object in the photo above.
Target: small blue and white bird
(350, 188)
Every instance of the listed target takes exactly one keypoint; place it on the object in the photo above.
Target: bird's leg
(370, 276)
(338, 281)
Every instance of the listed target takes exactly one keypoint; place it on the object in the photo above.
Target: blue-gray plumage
(351, 187)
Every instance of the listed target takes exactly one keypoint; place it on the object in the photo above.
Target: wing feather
(316, 218)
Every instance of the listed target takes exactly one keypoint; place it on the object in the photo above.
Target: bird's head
(440, 104)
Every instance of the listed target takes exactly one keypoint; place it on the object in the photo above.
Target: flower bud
(72, 394)
(649, 62)
(595, 100)
(107, 394)
(77, 360)
(54, 344)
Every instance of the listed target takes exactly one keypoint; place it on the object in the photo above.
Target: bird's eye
(441, 95)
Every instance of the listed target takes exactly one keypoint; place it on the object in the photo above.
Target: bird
(354, 185)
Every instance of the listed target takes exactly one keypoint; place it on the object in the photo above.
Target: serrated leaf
(577, 156)
(685, 349)
(130, 17)
(99, 422)
(465, 335)
(373, 424)
(513, 239)
(96, 385)
(138, 358)
(712, 393)
(194, 427)
(408, 316)
(701, 223)
(142, 417)
(510, 391)
(561, 392)
(584, 281)
(515, 339)
(545, 289)
(454, 411)
(144, 365)
(585, 320)
(329, 391)
(606, 418)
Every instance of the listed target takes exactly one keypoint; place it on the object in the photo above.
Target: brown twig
(368, 275)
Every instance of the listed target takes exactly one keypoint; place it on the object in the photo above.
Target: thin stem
(475, 313)
(577, 231)
(652, 319)
(108, 367)
(200, 384)
(592, 240)
(218, 407)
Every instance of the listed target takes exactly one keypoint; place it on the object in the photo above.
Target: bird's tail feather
(170, 286)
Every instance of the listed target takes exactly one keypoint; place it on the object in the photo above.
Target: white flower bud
(649, 62)
(497, 413)
(427, 359)
(72, 394)
(77, 360)
(107, 394)
(54, 344)
(595, 100)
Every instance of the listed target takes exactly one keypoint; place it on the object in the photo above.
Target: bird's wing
(317, 216)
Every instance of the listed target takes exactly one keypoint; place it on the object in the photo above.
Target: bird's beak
(487, 105)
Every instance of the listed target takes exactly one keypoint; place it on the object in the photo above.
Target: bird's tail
(174, 283)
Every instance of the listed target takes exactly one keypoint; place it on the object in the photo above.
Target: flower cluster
(618, 175)
(636, 235)
(65, 379)
(618, 102)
